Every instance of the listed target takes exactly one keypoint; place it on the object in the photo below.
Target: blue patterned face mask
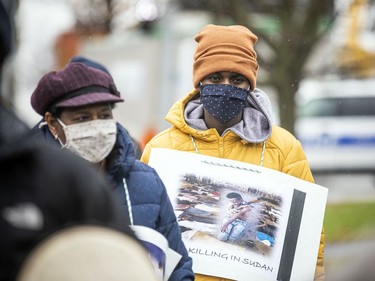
(223, 101)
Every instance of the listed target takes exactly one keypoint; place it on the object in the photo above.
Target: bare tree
(106, 16)
(92, 16)
(288, 28)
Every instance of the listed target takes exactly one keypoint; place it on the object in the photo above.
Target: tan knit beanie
(225, 48)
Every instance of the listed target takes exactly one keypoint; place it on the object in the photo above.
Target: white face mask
(92, 140)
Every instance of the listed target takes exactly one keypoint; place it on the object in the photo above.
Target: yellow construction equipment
(353, 59)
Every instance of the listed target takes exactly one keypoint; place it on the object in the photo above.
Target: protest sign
(162, 258)
(242, 221)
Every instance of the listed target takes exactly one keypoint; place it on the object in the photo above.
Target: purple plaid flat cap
(73, 86)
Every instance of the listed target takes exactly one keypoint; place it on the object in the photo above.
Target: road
(348, 187)
(353, 260)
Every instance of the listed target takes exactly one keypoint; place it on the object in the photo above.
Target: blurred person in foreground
(88, 252)
(44, 190)
(76, 104)
(226, 116)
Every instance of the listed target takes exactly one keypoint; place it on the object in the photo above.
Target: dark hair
(55, 111)
(235, 195)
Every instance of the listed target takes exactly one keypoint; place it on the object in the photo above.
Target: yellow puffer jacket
(282, 152)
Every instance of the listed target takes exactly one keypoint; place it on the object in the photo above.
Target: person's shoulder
(65, 162)
(171, 137)
(278, 131)
(146, 177)
(281, 138)
(48, 151)
(164, 133)
(39, 162)
(144, 168)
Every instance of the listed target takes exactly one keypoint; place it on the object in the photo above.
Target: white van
(336, 124)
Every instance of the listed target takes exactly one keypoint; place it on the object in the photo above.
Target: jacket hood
(256, 126)
(122, 158)
(119, 161)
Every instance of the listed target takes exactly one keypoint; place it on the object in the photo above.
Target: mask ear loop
(56, 136)
(41, 124)
(199, 86)
(60, 141)
(61, 123)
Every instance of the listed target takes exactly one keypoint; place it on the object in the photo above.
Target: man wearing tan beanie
(226, 116)
(225, 49)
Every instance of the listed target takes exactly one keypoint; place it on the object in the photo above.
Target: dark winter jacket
(150, 204)
(44, 189)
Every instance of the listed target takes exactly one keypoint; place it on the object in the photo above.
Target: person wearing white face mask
(76, 103)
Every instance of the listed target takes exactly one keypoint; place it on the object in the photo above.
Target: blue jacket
(150, 204)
